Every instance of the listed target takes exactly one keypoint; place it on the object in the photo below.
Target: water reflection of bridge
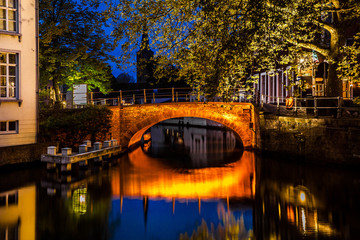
(151, 178)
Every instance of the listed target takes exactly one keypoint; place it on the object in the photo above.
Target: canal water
(190, 178)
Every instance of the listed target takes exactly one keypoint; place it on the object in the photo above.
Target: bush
(70, 127)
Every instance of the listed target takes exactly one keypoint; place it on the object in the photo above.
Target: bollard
(316, 113)
(114, 142)
(144, 95)
(121, 98)
(83, 148)
(87, 143)
(97, 146)
(107, 144)
(338, 114)
(66, 151)
(51, 150)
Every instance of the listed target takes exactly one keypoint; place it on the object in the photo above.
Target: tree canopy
(73, 45)
(218, 45)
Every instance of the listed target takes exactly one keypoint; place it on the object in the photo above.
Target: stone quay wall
(319, 139)
(22, 153)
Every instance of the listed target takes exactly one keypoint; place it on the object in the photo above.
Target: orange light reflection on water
(150, 177)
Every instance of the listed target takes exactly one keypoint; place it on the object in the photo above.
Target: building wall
(23, 108)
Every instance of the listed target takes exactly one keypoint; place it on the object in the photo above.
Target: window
(8, 127)
(8, 75)
(13, 199)
(8, 15)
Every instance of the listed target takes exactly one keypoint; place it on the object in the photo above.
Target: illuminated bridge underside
(131, 122)
(151, 178)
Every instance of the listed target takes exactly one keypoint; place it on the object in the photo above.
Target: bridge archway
(131, 122)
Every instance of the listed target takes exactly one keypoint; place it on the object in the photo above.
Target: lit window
(8, 75)
(8, 127)
(8, 15)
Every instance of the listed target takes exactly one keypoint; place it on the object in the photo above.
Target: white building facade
(274, 85)
(18, 72)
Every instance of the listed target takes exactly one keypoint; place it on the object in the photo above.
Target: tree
(218, 45)
(202, 39)
(319, 25)
(73, 45)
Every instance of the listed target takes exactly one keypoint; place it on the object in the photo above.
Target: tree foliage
(218, 45)
(73, 45)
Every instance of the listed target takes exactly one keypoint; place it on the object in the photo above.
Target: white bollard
(114, 142)
(66, 151)
(107, 144)
(97, 145)
(83, 148)
(51, 150)
(88, 143)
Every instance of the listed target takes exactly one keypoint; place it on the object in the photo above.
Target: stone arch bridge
(129, 123)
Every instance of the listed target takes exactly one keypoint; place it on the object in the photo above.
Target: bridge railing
(311, 105)
(156, 95)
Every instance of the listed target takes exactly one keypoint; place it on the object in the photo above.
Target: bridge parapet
(131, 122)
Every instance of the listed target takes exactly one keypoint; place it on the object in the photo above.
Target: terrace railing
(313, 105)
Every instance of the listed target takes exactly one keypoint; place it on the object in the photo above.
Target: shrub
(70, 127)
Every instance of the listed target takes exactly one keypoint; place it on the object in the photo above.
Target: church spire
(144, 57)
(145, 43)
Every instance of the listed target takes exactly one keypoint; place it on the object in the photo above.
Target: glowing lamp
(302, 197)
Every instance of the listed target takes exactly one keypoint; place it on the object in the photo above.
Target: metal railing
(156, 95)
(315, 104)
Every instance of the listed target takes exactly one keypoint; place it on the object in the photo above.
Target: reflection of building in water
(17, 214)
(204, 141)
(286, 209)
(79, 200)
(295, 207)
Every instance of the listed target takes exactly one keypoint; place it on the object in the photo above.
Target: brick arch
(131, 122)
